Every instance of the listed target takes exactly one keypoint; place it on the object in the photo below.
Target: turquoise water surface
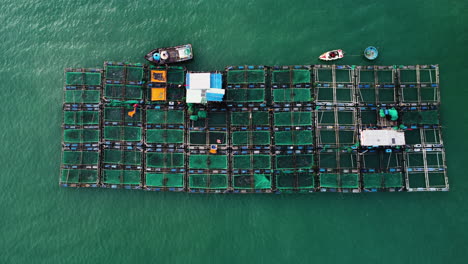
(42, 223)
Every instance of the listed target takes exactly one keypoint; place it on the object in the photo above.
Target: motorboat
(170, 54)
(332, 55)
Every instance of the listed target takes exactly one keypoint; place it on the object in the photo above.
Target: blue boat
(371, 53)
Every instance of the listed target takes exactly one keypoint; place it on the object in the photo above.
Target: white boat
(332, 55)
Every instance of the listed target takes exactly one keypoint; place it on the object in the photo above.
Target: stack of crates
(123, 117)
(81, 133)
(208, 149)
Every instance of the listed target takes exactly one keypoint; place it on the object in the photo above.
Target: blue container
(371, 53)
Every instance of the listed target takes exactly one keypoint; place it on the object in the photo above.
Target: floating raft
(280, 129)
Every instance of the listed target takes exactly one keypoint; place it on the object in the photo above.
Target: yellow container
(158, 76)
(158, 94)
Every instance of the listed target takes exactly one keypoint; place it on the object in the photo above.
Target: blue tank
(371, 53)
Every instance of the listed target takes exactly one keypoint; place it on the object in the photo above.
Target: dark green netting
(80, 157)
(164, 179)
(214, 137)
(217, 119)
(79, 176)
(291, 76)
(82, 96)
(367, 95)
(368, 117)
(81, 118)
(349, 180)
(393, 180)
(301, 76)
(293, 119)
(154, 116)
(83, 78)
(250, 118)
(281, 76)
(386, 95)
(429, 94)
(294, 137)
(122, 157)
(115, 73)
(134, 74)
(325, 94)
(293, 161)
(251, 138)
(121, 176)
(251, 162)
(410, 94)
(329, 180)
(287, 179)
(175, 75)
(292, 95)
(245, 95)
(208, 162)
(326, 117)
(212, 181)
(120, 114)
(164, 160)
(123, 92)
(80, 135)
(423, 118)
(373, 180)
(326, 137)
(257, 181)
(121, 133)
(245, 76)
(164, 136)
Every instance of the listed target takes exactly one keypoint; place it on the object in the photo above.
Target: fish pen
(254, 129)
(246, 84)
(81, 128)
(292, 84)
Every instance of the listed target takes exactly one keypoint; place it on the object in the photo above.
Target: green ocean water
(42, 223)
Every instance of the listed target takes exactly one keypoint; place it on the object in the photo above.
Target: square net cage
(382, 169)
(165, 160)
(334, 85)
(87, 95)
(250, 117)
(250, 138)
(251, 181)
(336, 161)
(366, 88)
(426, 171)
(208, 181)
(122, 158)
(295, 179)
(420, 116)
(376, 85)
(121, 177)
(81, 118)
(291, 84)
(426, 137)
(86, 135)
(294, 137)
(124, 73)
(80, 158)
(339, 180)
(79, 176)
(165, 116)
(165, 136)
(208, 130)
(245, 95)
(419, 84)
(246, 74)
(83, 78)
(120, 126)
(164, 180)
(292, 118)
(251, 162)
(208, 161)
(123, 92)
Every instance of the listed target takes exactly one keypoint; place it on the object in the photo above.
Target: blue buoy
(371, 53)
(156, 56)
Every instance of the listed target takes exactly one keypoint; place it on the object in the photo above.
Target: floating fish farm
(254, 129)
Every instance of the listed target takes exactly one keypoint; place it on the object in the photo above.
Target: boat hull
(170, 54)
(326, 56)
